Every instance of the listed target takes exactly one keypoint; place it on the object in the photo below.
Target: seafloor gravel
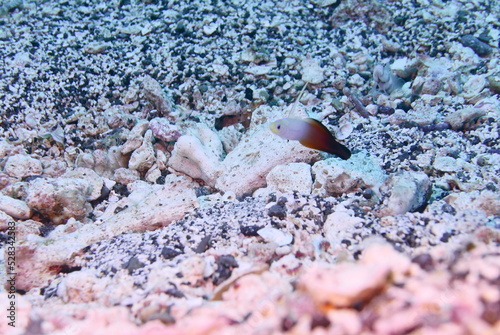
(143, 192)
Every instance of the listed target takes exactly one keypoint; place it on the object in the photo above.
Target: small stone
(463, 119)
(474, 85)
(17, 209)
(311, 71)
(278, 211)
(135, 137)
(80, 287)
(405, 192)
(198, 155)
(155, 94)
(344, 284)
(170, 253)
(133, 264)
(96, 48)
(324, 3)
(431, 86)
(480, 48)
(143, 157)
(21, 166)
(425, 261)
(211, 28)
(446, 164)
(164, 130)
(92, 177)
(59, 199)
(274, 235)
(126, 176)
(5, 221)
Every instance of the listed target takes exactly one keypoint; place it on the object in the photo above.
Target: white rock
(404, 67)
(26, 228)
(5, 219)
(198, 155)
(5, 148)
(143, 157)
(474, 85)
(311, 71)
(446, 164)
(153, 174)
(484, 201)
(404, 192)
(80, 287)
(152, 207)
(335, 176)
(463, 118)
(259, 70)
(274, 235)
(164, 130)
(53, 168)
(340, 224)
(345, 128)
(135, 137)
(344, 284)
(157, 96)
(324, 3)
(210, 28)
(162, 159)
(149, 207)
(125, 176)
(15, 208)
(248, 55)
(117, 117)
(247, 166)
(96, 182)
(20, 166)
(60, 199)
(289, 178)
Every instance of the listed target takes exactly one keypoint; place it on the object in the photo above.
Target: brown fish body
(310, 133)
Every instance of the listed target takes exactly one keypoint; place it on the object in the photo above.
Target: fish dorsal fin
(290, 114)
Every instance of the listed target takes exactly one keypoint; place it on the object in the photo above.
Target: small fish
(310, 133)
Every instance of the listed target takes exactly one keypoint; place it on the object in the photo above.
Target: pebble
(198, 155)
(277, 210)
(462, 119)
(474, 85)
(21, 166)
(143, 157)
(404, 192)
(311, 71)
(480, 48)
(125, 176)
(273, 235)
(446, 164)
(155, 94)
(164, 130)
(344, 284)
(92, 177)
(16, 208)
(135, 137)
(59, 199)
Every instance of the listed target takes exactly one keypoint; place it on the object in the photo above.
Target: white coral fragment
(198, 155)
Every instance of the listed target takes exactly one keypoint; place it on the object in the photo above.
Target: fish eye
(278, 126)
